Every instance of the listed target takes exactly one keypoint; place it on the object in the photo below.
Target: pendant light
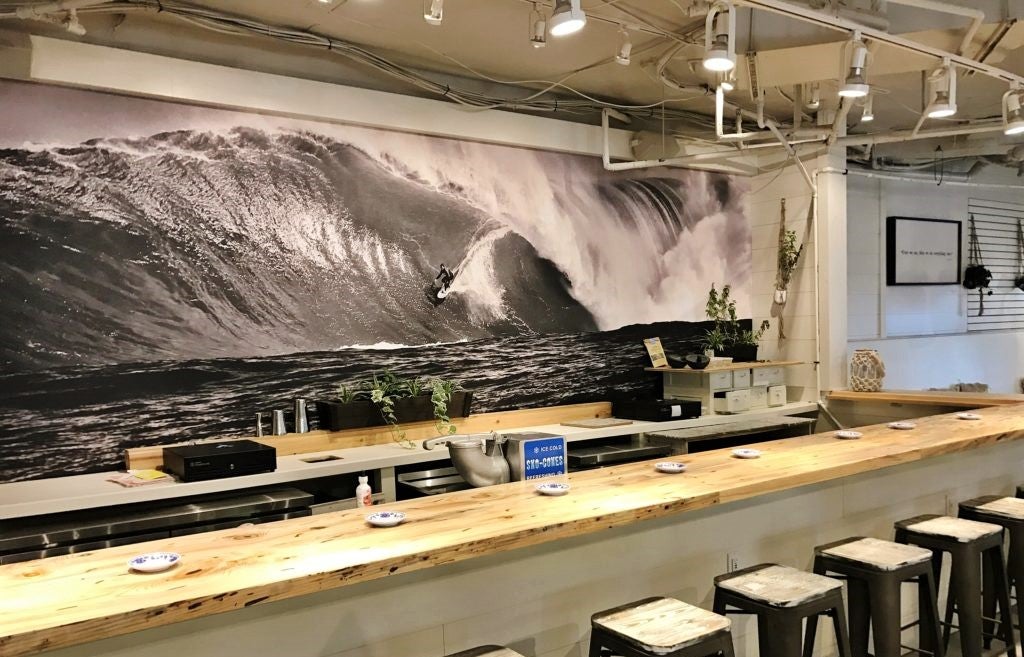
(625, 48)
(538, 28)
(869, 109)
(942, 96)
(435, 13)
(720, 37)
(567, 18)
(1013, 116)
(812, 96)
(726, 80)
(854, 85)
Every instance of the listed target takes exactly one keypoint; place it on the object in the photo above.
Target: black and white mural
(167, 270)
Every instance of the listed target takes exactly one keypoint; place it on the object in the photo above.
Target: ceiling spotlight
(812, 96)
(538, 28)
(726, 80)
(942, 91)
(854, 85)
(435, 13)
(567, 18)
(869, 109)
(720, 37)
(1013, 116)
(625, 47)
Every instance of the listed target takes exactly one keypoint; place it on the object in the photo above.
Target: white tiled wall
(539, 600)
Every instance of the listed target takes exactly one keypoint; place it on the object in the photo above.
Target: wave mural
(185, 240)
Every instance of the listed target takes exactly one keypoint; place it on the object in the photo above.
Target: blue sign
(543, 457)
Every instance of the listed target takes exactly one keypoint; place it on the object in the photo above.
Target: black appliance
(230, 458)
(656, 410)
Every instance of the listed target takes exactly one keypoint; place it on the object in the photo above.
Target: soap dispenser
(364, 494)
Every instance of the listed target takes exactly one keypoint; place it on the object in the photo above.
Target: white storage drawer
(741, 379)
(769, 376)
(758, 397)
(734, 401)
(721, 380)
(777, 396)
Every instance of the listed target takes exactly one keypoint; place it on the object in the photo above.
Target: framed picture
(922, 251)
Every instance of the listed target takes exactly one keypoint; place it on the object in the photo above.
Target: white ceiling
(485, 43)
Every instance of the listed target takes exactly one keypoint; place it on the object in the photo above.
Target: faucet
(479, 458)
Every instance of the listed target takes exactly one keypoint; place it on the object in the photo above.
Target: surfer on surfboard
(443, 281)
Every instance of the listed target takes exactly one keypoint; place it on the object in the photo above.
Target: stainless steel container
(277, 423)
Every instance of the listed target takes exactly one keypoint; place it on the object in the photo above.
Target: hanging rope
(1019, 281)
(976, 276)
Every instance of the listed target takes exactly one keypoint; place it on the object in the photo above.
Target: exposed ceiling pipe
(977, 17)
(42, 11)
(840, 121)
(826, 20)
(908, 135)
(948, 179)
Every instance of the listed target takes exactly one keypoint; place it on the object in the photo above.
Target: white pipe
(827, 20)
(34, 12)
(840, 120)
(977, 17)
(930, 181)
(910, 135)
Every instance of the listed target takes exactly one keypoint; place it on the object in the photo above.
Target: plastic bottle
(364, 494)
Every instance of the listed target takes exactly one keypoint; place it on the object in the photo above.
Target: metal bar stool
(874, 571)
(781, 598)
(487, 651)
(970, 544)
(660, 626)
(1008, 513)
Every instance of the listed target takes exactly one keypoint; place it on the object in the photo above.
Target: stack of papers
(134, 478)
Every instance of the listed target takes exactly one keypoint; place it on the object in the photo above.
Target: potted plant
(789, 255)
(744, 350)
(388, 399)
(728, 338)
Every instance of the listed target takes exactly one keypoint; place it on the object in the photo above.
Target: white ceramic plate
(902, 426)
(968, 416)
(671, 467)
(385, 518)
(154, 562)
(553, 488)
(744, 453)
(848, 435)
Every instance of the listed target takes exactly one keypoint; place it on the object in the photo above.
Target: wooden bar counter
(77, 599)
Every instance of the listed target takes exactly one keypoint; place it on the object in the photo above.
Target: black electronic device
(230, 458)
(656, 410)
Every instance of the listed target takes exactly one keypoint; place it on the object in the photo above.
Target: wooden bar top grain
(929, 397)
(67, 600)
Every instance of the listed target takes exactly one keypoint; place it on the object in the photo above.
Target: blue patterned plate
(553, 488)
(671, 467)
(385, 518)
(154, 562)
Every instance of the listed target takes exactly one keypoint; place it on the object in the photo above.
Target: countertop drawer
(769, 376)
(721, 380)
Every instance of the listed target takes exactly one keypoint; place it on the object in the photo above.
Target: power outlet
(732, 562)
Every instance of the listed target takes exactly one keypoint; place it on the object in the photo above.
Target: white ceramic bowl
(746, 453)
(902, 426)
(968, 416)
(154, 562)
(385, 518)
(553, 488)
(846, 434)
(671, 467)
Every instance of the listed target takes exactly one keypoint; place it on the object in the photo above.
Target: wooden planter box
(336, 416)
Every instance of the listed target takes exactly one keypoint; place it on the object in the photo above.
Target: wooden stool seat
(962, 530)
(883, 555)
(487, 651)
(780, 586)
(660, 626)
(1007, 507)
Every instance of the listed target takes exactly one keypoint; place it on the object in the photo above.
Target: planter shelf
(336, 416)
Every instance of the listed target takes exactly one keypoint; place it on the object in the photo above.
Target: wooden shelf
(726, 368)
(929, 397)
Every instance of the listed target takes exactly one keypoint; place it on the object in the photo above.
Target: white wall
(921, 331)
